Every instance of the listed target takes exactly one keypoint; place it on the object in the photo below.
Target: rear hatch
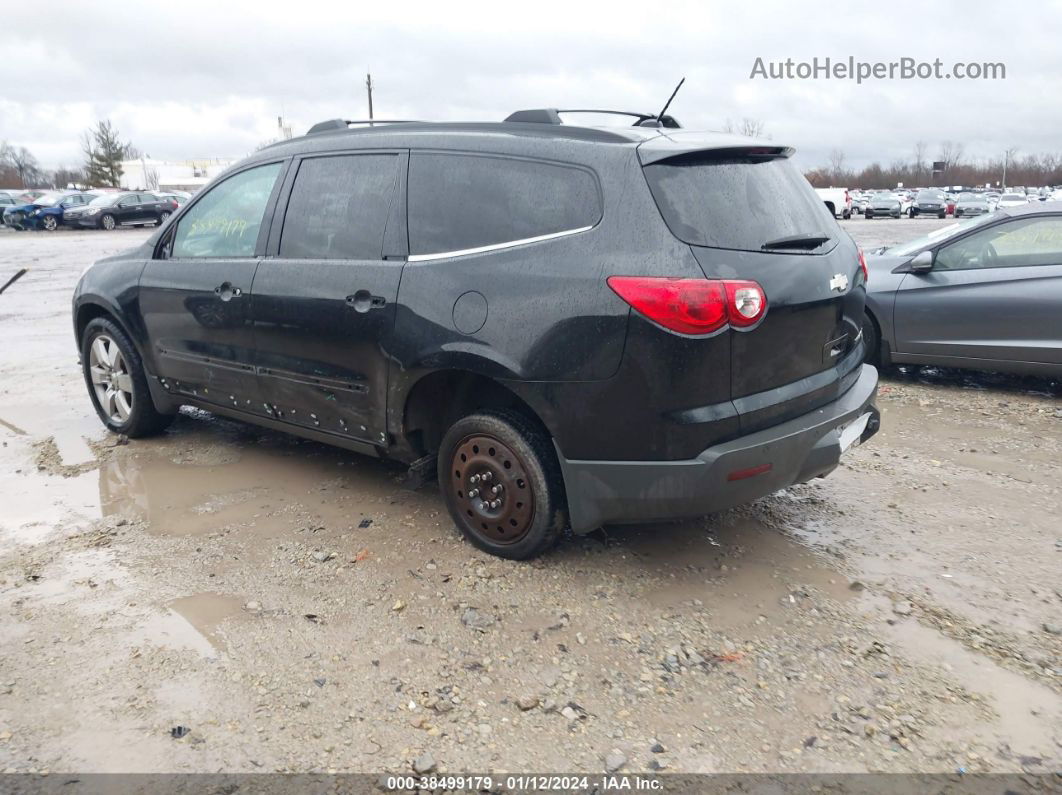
(748, 213)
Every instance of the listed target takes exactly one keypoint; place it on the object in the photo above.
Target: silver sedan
(985, 293)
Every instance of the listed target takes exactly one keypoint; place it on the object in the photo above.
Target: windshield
(1014, 197)
(935, 236)
(884, 197)
(928, 195)
(736, 202)
(48, 199)
(106, 200)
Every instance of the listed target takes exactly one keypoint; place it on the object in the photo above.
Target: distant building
(188, 175)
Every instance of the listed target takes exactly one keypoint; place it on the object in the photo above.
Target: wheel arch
(87, 309)
(436, 400)
(91, 307)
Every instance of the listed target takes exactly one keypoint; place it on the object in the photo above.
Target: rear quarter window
(462, 201)
(736, 202)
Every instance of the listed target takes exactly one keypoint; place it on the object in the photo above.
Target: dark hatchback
(111, 210)
(576, 326)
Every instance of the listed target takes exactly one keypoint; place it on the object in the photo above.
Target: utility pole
(1006, 162)
(368, 88)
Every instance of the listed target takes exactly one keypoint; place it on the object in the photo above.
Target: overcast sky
(193, 80)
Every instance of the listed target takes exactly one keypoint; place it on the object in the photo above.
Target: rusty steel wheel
(499, 476)
(490, 481)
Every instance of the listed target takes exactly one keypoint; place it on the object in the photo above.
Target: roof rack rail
(552, 116)
(342, 124)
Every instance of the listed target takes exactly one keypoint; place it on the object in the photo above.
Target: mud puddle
(191, 622)
(1029, 713)
(198, 480)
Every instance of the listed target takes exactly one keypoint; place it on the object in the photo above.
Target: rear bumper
(809, 446)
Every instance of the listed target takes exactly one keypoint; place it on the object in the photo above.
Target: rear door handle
(363, 301)
(226, 291)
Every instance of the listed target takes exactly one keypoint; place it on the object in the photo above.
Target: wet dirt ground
(229, 598)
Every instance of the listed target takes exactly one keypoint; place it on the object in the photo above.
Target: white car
(1012, 200)
(837, 201)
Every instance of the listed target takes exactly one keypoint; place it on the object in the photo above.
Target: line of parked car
(91, 209)
(940, 203)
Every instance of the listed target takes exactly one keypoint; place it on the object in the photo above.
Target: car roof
(532, 138)
(1037, 208)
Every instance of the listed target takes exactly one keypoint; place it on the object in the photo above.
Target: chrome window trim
(497, 246)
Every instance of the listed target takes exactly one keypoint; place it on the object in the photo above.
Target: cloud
(208, 80)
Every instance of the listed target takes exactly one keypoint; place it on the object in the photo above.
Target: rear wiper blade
(805, 241)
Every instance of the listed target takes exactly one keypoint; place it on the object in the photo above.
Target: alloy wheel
(108, 222)
(492, 488)
(111, 379)
(49, 223)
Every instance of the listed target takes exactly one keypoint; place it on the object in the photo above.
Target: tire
(871, 341)
(511, 454)
(163, 216)
(49, 223)
(868, 214)
(846, 215)
(911, 213)
(116, 381)
(107, 222)
(942, 216)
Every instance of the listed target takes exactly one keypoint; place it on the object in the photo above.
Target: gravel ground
(229, 598)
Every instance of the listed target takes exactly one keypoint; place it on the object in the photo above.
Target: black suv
(579, 326)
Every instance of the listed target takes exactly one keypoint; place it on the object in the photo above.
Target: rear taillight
(693, 306)
(863, 264)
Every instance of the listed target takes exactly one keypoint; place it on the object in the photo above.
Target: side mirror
(921, 263)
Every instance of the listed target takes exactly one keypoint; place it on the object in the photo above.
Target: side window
(1032, 241)
(459, 202)
(147, 198)
(338, 207)
(127, 201)
(226, 221)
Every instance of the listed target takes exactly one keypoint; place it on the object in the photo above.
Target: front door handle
(363, 301)
(226, 291)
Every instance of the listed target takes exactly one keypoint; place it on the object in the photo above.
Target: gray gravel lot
(901, 615)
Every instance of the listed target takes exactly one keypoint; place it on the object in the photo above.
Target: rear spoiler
(670, 145)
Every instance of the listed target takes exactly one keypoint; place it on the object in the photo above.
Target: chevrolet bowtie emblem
(839, 282)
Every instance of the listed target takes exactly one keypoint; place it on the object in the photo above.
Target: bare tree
(8, 174)
(836, 161)
(951, 153)
(919, 163)
(1035, 169)
(752, 128)
(64, 177)
(26, 166)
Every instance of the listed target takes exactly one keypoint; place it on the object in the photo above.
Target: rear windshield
(737, 202)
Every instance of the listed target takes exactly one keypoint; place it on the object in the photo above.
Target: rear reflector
(741, 474)
(693, 306)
